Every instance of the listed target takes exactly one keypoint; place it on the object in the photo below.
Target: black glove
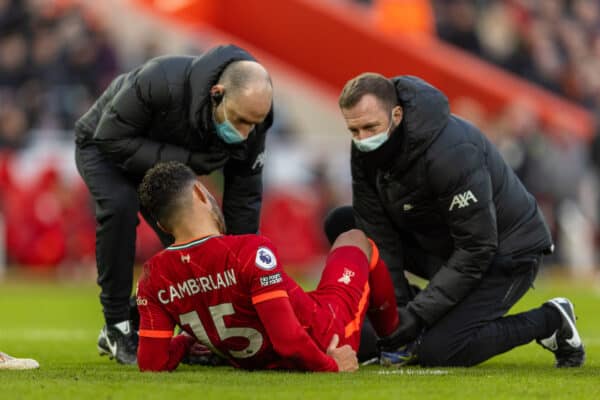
(409, 329)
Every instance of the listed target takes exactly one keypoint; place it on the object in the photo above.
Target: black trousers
(476, 328)
(116, 208)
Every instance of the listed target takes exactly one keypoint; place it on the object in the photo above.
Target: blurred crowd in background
(53, 63)
(55, 60)
(555, 44)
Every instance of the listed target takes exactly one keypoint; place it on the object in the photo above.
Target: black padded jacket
(440, 189)
(162, 111)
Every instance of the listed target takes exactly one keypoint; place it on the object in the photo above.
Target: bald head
(246, 95)
(245, 76)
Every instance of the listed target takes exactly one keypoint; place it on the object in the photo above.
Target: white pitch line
(52, 335)
(412, 371)
(57, 335)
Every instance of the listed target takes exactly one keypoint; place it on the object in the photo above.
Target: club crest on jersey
(346, 276)
(265, 259)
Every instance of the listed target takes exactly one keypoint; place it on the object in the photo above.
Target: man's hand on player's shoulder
(345, 356)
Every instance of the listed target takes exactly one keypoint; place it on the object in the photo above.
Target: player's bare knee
(356, 238)
(351, 237)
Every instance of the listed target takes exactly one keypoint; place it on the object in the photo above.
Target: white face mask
(373, 142)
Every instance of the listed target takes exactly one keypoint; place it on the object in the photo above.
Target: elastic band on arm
(149, 333)
(269, 296)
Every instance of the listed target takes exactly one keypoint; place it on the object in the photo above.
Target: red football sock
(382, 312)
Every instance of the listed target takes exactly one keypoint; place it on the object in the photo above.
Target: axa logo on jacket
(462, 200)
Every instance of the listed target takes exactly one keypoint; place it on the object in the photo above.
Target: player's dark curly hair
(161, 190)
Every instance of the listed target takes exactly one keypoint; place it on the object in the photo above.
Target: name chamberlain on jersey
(194, 286)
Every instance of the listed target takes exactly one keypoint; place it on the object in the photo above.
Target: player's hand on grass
(199, 350)
(199, 354)
(345, 356)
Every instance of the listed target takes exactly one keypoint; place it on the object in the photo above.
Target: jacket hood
(425, 114)
(204, 74)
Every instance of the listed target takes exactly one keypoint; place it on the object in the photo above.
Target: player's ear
(200, 193)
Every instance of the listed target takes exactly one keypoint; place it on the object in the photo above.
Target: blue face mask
(227, 132)
(373, 142)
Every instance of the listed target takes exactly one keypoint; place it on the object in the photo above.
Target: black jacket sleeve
(371, 217)
(462, 183)
(120, 131)
(242, 194)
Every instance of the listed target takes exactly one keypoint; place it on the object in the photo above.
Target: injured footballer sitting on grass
(230, 293)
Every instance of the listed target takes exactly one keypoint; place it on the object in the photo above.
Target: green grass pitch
(58, 324)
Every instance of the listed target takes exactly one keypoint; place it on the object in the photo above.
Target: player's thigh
(343, 293)
(345, 275)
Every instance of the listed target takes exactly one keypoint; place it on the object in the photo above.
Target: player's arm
(291, 341)
(267, 288)
(158, 350)
(162, 354)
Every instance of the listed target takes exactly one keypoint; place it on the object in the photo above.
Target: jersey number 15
(217, 312)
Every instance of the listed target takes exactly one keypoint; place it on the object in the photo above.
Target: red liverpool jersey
(210, 287)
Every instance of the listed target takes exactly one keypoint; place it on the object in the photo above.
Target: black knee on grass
(339, 220)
